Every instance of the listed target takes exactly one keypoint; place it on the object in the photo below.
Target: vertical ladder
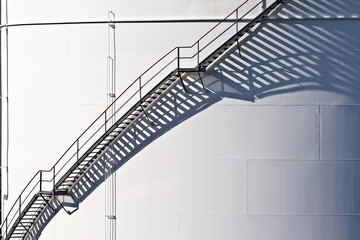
(110, 175)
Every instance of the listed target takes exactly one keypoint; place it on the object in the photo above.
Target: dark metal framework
(41, 195)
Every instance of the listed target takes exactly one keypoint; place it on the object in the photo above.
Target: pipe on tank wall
(1, 198)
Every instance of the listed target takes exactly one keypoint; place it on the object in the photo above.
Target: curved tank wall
(270, 151)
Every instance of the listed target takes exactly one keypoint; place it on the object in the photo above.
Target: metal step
(41, 200)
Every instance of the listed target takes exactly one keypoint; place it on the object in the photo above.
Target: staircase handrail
(35, 184)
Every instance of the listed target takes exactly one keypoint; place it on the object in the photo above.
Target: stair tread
(41, 201)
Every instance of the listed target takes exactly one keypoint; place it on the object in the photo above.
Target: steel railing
(177, 58)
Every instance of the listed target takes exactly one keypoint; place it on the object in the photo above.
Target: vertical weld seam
(246, 186)
(319, 132)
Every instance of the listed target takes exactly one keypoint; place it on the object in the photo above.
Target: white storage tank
(270, 150)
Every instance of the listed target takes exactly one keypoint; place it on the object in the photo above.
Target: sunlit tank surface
(270, 148)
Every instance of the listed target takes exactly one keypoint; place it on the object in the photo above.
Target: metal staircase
(81, 166)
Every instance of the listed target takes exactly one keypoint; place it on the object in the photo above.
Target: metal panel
(340, 132)
(253, 227)
(304, 187)
(183, 185)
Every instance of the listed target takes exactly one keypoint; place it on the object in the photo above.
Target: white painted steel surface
(275, 157)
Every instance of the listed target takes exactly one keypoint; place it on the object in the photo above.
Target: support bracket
(182, 81)
(82, 171)
(62, 206)
(47, 202)
(146, 116)
(27, 230)
(202, 83)
(238, 45)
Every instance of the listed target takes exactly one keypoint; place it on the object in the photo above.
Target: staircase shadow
(280, 56)
(287, 54)
(171, 109)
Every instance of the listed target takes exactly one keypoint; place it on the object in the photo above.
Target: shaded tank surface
(270, 151)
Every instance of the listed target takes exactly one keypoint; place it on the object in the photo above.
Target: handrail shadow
(280, 56)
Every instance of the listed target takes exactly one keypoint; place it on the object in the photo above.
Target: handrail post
(105, 119)
(77, 149)
(237, 20)
(198, 54)
(54, 180)
(19, 205)
(178, 57)
(41, 180)
(140, 87)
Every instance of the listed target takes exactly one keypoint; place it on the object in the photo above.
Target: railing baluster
(140, 87)
(105, 119)
(237, 20)
(19, 205)
(178, 57)
(41, 180)
(77, 149)
(198, 53)
(54, 180)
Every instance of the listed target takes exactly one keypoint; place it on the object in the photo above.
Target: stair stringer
(142, 130)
